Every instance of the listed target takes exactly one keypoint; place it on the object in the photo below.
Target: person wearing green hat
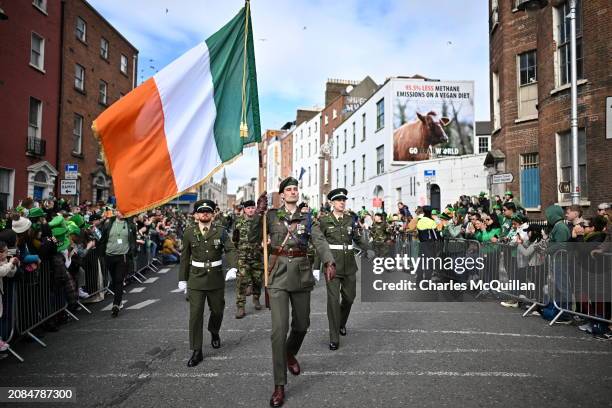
(78, 253)
(60, 262)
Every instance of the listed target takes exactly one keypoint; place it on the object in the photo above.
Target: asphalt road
(475, 354)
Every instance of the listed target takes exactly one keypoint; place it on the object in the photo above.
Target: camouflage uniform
(380, 234)
(250, 260)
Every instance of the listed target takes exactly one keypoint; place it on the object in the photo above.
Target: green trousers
(341, 292)
(300, 321)
(216, 304)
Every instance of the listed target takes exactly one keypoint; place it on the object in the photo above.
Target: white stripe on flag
(143, 304)
(186, 91)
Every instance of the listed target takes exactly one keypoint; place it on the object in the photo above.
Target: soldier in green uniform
(250, 260)
(341, 230)
(291, 278)
(380, 236)
(202, 276)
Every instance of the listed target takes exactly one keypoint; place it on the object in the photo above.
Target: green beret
(36, 212)
(289, 181)
(57, 221)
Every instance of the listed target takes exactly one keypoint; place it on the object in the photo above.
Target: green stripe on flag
(226, 49)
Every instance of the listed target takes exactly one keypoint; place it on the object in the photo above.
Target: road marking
(151, 280)
(394, 331)
(165, 270)
(137, 290)
(177, 290)
(143, 304)
(110, 306)
(234, 374)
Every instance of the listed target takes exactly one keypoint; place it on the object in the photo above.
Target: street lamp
(534, 5)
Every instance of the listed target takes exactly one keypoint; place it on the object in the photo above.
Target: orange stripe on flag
(132, 134)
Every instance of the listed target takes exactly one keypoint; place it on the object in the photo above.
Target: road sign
(430, 173)
(68, 187)
(71, 171)
(502, 178)
(377, 202)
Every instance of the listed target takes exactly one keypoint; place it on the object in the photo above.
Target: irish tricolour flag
(178, 128)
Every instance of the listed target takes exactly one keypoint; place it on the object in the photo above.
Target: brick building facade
(530, 101)
(98, 68)
(30, 52)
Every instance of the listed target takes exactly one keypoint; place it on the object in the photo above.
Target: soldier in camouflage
(380, 236)
(250, 260)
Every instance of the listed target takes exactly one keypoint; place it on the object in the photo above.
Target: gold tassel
(244, 130)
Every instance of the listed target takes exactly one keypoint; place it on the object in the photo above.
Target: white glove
(231, 274)
(183, 285)
(317, 274)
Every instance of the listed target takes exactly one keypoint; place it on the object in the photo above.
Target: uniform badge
(217, 242)
(301, 229)
(349, 229)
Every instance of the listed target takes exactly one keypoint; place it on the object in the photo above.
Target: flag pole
(244, 129)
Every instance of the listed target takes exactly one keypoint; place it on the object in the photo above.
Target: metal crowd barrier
(32, 298)
(581, 283)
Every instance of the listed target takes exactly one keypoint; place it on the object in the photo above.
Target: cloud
(299, 44)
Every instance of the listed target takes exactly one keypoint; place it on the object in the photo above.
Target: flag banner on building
(177, 129)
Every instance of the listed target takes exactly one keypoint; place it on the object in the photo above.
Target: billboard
(432, 119)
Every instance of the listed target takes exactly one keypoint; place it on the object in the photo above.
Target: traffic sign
(71, 171)
(68, 187)
(565, 187)
(502, 178)
(430, 173)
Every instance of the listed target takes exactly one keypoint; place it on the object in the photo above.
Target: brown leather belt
(290, 253)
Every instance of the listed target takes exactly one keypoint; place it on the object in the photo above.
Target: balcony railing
(36, 146)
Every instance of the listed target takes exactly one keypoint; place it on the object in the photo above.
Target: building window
(316, 144)
(496, 102)
(81, 29)
(563, 38)
(398, 192)
(363, 173)
(77, 133)
(353, 183)
(100, 156)
(35, 118)
(344, 141)
(79, 77)
(337, 178)
(380, 114)
(337, 146)
(309, 177)
(564, 159)
(309, 132)
(41, 5)
(528, 88)
(326, 120)
(325, 173)
(301, 134)
(483, 144)
(344, 185)
(363, 127)
(301, 152)
(494, 17)
(316, 174)
(104, 48)
(309, 153)
(354, 135)
(37, 51)
(380, 160)
(334, 114)
(530, 180)
(103, 92)
(316, 126)
(5, 189)
(124, 64)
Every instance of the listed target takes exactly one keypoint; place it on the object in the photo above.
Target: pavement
(417, 354)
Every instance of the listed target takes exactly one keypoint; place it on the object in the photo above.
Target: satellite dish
(349, 88)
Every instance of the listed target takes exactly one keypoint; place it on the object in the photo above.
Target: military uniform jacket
(380, 232)
(292, 274)
(206, 249)
(345, 232)
(247, 240)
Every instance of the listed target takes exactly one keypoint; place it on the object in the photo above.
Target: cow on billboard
(412, 141)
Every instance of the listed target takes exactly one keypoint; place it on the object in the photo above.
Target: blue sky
(301, 43)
